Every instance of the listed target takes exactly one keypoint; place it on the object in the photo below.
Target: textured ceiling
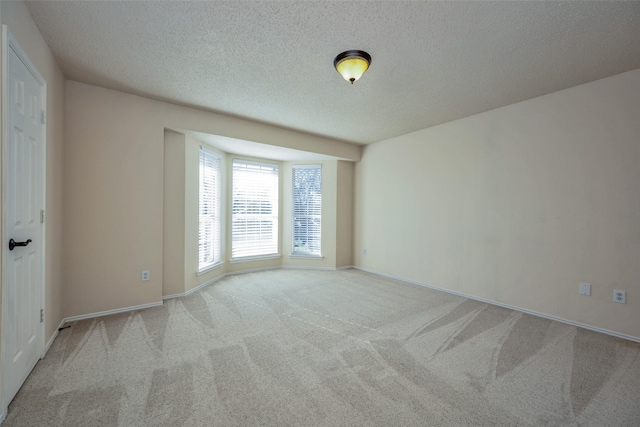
(433, 62)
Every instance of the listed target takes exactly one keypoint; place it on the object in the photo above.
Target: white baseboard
(212, 281)
(52, 339)
(253, 270)
(304, 267)
(511, 307)
(183, 294)
(197, 288)
(108, 312)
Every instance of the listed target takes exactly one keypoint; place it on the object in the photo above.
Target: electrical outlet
(146, 276)
(364, 251)
(585, 289)
(620, 296)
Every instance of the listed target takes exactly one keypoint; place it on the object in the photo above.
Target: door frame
(9, 42)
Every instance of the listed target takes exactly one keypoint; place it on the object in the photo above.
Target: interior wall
(173, 271)
(516, 205)
(16, 16)
(114, 181)
(191, 203)
(344, 214)
(114, 200)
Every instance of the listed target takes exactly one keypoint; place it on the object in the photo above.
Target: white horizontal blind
(209, 209)
(307, 209)
(254, 213)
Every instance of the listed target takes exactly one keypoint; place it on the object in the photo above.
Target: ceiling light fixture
(352, 64)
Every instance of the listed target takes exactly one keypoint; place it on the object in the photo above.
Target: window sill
(303, 256)
(254, 258)
(209, 268)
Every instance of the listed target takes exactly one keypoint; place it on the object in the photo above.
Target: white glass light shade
(352, 64)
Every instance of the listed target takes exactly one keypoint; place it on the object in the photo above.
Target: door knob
(13, 243)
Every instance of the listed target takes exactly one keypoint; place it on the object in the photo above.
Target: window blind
(254, 214)
(307, 209)
(209, 209)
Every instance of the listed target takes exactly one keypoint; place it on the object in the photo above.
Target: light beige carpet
(320, 348)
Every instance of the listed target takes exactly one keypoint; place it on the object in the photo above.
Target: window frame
(265, 171)
(216, 216)
(307, 216)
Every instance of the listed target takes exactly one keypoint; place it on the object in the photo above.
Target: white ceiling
(433, 62)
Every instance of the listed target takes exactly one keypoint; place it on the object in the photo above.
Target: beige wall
(516, 205)
(16, 16)
(191, 218)
(344, 214)
(114, 199)
(174, 214)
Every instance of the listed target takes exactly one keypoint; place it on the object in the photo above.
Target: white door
(24, 183)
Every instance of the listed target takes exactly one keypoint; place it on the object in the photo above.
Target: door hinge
(41, 315)
(43, 117)
(41, 216)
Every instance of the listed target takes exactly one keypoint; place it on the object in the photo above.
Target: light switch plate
(585, 289)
